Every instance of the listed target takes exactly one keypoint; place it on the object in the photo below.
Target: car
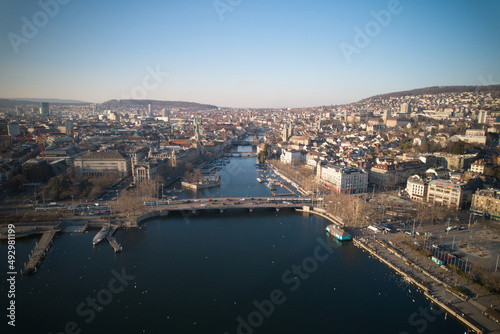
(203, 205)
(210, 200)
(114, 198)
(228, 199)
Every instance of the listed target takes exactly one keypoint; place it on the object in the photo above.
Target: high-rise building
(386, 115)
(405, 108)
(13, 129)
(481, 117)
(287, 132)
(166, 112)
(69, 126)
(44, 108)
(150, 111)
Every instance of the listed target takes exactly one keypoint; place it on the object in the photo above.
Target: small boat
(100, 235)
(338, 232)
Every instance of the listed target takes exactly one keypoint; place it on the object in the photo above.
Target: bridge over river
(162, 209)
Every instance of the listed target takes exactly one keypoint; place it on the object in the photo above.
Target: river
(235, 272)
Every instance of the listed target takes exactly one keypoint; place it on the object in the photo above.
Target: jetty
(40, 251)
(112, 241)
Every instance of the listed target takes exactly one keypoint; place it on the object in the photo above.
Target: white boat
(100, 235)
(259, 180)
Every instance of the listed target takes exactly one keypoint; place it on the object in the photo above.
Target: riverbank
(468, 311)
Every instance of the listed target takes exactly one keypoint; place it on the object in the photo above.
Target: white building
(291, 157)
(416, 188)
(343, 179)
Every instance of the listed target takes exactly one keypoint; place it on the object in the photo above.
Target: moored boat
(100, 235)
(338, 233)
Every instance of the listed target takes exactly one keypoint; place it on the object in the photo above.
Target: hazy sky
(244, 53)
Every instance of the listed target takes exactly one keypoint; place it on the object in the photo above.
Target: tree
(16, 183)
(189, 167)
(197, 176)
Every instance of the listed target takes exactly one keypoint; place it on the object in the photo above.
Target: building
(405, 108)
(300, 140)
(393, 122)
(150, 111)
(481, 117)
(68, 125)
(44, 109)
(455, 161)
(147, 170)
(416, 188)
(286, 132)
(455, 195)
(13, 129)
(344, 179)
(291, 157)
(390, 175)
(487, 202)
(312, 158)
(98, 163)
(478, 166)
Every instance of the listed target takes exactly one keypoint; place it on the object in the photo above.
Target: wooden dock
(112, 241)
(39, 253)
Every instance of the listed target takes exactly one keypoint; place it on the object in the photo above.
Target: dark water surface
(236, 272)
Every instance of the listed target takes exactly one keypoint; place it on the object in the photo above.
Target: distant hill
(494, 89)
(26, 101)
(159, 104)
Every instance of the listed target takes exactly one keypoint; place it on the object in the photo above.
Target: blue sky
(263, 53)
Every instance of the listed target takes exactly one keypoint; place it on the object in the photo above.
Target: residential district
(422, 165)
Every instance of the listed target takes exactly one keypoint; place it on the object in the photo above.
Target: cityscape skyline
(244, 54)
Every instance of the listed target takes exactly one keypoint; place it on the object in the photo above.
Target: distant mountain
(494, 89)
(159, 104)
(25, 101)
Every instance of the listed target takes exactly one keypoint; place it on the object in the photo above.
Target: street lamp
(73, 200)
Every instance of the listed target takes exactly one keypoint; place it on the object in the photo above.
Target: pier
(40, 251)
(112, 241)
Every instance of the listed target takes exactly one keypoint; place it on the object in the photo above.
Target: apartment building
(344, 179)
(487, 202)
(416, 188)
(291, 157)
(448, 193)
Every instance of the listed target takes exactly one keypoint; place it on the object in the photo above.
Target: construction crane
(39, 140)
